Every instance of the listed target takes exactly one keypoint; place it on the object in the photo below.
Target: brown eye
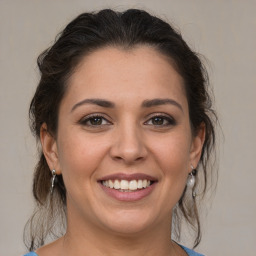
(95, 120)
(161, 120)
(158, 120)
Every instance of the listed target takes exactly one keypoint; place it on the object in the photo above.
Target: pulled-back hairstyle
(85, 34)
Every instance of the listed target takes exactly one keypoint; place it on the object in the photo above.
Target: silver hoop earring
(53, 180)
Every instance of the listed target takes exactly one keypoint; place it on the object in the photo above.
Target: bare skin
(129, 119)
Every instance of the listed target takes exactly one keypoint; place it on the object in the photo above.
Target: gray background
(223, 31)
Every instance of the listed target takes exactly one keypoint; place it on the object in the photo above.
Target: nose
(128, 145)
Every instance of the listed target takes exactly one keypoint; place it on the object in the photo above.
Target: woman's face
(124, 144)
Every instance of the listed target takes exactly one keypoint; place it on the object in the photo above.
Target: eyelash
(84, 121)
(167, 120)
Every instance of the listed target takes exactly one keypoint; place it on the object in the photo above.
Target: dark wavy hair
(85, 34)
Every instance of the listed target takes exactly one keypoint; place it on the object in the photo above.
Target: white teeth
(126, 185)
(110, 184)
(139, 183)
(133, 185)
(116, 184)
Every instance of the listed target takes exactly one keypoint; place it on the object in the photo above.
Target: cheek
(172, 156)
(173, 150)
(79, 155)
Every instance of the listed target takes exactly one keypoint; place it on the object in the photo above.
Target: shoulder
(52, 248)
(191, 252)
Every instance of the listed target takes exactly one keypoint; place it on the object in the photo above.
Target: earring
(53, 180)
(192, 180)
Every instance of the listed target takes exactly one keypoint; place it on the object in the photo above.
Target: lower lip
(128, 196)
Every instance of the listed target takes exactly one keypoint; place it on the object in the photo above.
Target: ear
(49, 147)
(197, 145)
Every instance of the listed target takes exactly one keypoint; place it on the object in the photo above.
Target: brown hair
(85, 34)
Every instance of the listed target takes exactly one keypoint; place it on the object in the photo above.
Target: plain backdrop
(222, 30)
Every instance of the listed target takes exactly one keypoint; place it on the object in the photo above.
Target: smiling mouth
(127, 185)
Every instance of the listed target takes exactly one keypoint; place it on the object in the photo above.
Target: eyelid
(168, 117)
(171, 121)
(86, 118)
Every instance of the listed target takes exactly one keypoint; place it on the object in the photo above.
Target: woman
(125, 121)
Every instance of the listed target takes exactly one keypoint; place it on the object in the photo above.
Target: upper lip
(129, 177)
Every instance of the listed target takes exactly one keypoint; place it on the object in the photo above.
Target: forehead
(116, 72)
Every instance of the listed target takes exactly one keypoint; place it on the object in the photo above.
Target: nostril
(139, 158)
(128, 159)
(118, 157)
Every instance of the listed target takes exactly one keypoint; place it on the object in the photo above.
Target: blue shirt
(188, 251)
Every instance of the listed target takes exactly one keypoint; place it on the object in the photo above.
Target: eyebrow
(158, 102)
(146, 103)
(99, 102)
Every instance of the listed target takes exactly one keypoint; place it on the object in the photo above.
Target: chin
(128, 222)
